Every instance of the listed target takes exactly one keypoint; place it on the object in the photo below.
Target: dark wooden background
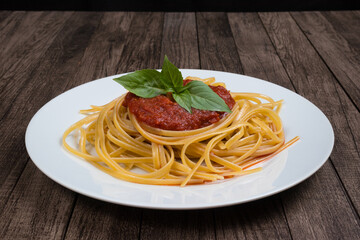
(180, 5)
(316, 54)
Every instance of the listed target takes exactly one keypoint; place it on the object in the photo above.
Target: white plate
(300, 118)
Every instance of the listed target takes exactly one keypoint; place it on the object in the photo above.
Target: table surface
(316, 54)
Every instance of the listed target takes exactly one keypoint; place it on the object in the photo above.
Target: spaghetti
(112, 139)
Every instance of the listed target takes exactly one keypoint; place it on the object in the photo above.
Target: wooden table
(316, 54)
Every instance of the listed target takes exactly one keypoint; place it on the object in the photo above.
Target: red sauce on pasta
(164, 113)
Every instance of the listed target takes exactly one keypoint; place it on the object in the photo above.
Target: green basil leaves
(148, 83)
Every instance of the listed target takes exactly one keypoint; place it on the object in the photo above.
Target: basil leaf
(146, 83)
(204, 98)
(172, 75)
(150, 83)
(183, 99)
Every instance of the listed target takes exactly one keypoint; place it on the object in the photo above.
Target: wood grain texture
(347, 24)
(352, 115)
(136, 48)
(22, 32)
(341, 28)
(105, 48)
(215, 33)
(322, 204)
(23, 50)
(259, 59)
(216, 43)
(262, 219)
(92, 219)
(44, 83)
(143, 43)
(38, 208)
(160, 224)
(43, 54)
(4, 15)
(10, 27)
(179, 40)
(319, 209)
(14, 122)
(342, 58)
(123, 222)
(256, 52)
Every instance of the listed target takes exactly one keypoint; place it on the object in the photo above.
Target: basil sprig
(148, 83)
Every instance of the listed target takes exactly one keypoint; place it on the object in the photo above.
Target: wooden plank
(318, 209)
(34, 195)
(27, 37)
(4, 15)
(38, 208)
(9, 26)
(21, 31)
(140, 46)
(352, 115)
(341, 57)
(216, 39)
(217, 47)
(347, 24)
(179, 41)
(180, 44)
(256, 52)
(101, 59)
(322, 204)
(262, 219)
(259, 59)
(12, 125)
(159, 224)
(142, 49)
(94, 219)
(102, 56)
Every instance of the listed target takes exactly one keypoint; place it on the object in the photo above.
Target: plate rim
(176, 207)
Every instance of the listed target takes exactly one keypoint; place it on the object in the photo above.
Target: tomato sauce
(164, 113)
